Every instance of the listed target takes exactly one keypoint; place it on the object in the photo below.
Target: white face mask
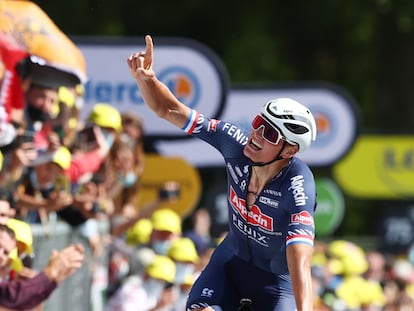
(182, 270)
(181, 301)
(154, 289)
(161, 247)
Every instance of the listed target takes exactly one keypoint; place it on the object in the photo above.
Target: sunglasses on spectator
(269, 133)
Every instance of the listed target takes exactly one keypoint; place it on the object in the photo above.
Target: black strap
(278, 157)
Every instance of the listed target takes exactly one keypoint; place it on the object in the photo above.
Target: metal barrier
(75, 292)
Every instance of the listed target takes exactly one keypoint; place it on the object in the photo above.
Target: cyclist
(265, 258)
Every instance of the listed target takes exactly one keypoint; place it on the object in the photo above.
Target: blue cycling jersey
(282, 215)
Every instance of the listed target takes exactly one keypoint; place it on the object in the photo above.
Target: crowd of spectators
(347, 277)
(56, 167)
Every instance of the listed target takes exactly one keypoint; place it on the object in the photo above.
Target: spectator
(17, 156)
(41, 108)
(200, 232)
(143, 293)
(6, 206)
(184, 254)
(132, 134)
(28, 293)
(164, 227)
(7, 245)
(122, 179)
(44, 187)
(24, 243)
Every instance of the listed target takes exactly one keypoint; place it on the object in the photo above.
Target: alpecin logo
(255, 215)
(302, 218)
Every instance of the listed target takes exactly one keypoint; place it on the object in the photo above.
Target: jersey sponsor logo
(212, 125)
(243, 185)
(238, 171)
(269, 202)
(254, 235)
(296, 185)
(254, 216)
(235, 132)
(232, 173)
(207, 292)
(273, 192)
(303, 218)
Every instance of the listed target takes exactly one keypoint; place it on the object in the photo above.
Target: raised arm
(155, 94)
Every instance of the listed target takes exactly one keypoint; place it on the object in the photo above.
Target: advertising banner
(335, 115)
(378, 167)
(160, 170)
(331, 207)
(198, 78)
(191, 71)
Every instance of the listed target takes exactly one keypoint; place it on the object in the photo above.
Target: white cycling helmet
(294, 120)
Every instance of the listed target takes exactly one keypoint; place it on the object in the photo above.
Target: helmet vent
(295, 128)
(285, 116)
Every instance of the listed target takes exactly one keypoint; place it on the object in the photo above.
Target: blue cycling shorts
(227, 279)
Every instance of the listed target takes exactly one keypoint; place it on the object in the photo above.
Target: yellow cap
(351, 256)
(105, 115)
(23, 233)
(66, 96)
(189, 280)
(140, 232)
(16, 263)
(62, 157)
(162, 268)
(183, 249)
(166, 219)
(1, 161)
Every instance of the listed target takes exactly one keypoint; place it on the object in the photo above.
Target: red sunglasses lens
(269, 132)
(257, 122)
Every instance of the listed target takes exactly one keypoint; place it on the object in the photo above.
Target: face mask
(181, 301)
(35, 183)
(161, 247)
(182, 270)
(129, 179)
(36, 114)
(125, 138)
(154, 289)
(109, 137)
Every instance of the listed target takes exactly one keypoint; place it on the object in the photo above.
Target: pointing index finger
(148, 53)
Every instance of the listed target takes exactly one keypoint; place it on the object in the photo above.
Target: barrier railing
(80, 291)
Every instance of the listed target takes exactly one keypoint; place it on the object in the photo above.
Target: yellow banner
(378, 167)
(159, 170)
(37, 34)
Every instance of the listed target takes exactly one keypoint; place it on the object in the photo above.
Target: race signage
(331, 207)
(334, 112)
(160, 170)
(190, 70)
(378, 167)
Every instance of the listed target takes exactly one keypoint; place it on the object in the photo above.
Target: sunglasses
(269, 133)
